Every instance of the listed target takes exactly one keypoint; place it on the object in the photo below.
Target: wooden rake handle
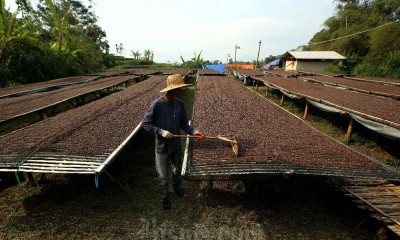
(218, 137)
(233, 143)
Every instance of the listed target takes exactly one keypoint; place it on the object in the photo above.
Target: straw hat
(173, 82)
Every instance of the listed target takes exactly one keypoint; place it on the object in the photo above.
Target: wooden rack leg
(282, 99)
(306, 111)
(42, 115)
(110, 176)
(349, 130)
(266, 92)
(30, 178)
(207, 186)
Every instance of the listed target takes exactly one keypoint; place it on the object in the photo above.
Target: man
(165, 118)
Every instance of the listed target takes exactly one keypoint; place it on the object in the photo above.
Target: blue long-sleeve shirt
(170, 116)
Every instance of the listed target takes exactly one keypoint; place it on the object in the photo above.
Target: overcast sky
(174, 28)
(177, 28)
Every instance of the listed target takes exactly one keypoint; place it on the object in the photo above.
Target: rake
(233, 141)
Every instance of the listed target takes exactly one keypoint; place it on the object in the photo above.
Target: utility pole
(258, 54)
(236, 48)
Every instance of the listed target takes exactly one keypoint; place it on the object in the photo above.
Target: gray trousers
(163, 161)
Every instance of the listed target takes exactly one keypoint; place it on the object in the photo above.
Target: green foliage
(147, 58)
(56, 39)
(136, 57)
(27, 63)
(196, 62)
(11, 30)
(366, 69)
(389, 67)
(384, 41)
(349, 33)
(162, 66)
(60, 25)
(109, 60)
(270, 58)
(121, 62)
(392, 65)
(344, 66)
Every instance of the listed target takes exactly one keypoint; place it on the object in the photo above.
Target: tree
(120, 48)
(98, 36)
(196, 62)
(11, 30)
(148, 56)
(60, 17)
(59, 38)
(271, 58)
(383, 41)
(136, 56)
(365, 31)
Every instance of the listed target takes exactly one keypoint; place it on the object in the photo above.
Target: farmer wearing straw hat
(165, 118)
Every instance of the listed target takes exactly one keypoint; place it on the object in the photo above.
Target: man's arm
(148, 120)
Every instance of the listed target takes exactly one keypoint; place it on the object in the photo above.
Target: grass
(273, 207)
(128, 63)
(68, 207)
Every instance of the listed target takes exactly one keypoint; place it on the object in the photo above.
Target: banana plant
(136, 56)
(61, 24)
(148, 55)
(197, 59)
(11, 30)
(196, 62)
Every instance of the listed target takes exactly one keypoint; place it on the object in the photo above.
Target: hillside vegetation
(367, 32)
(51, 40)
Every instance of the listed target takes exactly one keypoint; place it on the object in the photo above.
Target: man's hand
(166, 134)
(199, 135)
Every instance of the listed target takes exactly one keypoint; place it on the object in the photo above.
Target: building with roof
(309, 60)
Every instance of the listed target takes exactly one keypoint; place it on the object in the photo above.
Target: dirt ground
(70, 207)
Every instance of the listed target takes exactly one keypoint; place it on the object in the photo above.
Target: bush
(367, 69)
(28, 63)
(388, 67)
(391, 68)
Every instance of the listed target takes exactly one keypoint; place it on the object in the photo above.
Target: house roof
(331, 55)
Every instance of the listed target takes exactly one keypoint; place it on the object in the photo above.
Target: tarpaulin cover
(324, 107)
(289, 95)
(239, 66)
(216, 67)
(379, 128)
(269, 86)
(273, 63)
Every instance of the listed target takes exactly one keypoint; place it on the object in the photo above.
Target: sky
(176, 28)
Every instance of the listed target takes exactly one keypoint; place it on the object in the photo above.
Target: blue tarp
(216, 67)
(273, 63)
